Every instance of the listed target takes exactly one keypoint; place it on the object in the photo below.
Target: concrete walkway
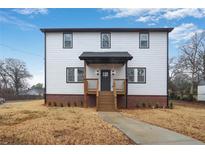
(144, 133)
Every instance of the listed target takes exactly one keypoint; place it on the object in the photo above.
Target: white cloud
(37, 78)
(23, 25)
(182, 13)
(154, 14)
(184, 32)
(29, 11)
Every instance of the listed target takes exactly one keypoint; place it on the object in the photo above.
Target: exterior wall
(154, 59)
(69, 100)
(201, 93)
(138, 101)
(134, 101)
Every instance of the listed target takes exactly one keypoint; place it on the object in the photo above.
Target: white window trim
(75, 75)
(148, 41)
(136, 75)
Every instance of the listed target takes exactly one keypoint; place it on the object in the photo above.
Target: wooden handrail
(94, 90)
(125, 86)
(91, 79)
(115, 93)
(97, 95)
(123, 89)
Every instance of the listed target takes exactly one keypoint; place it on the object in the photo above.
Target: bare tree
(202, 53)
(191, 60)
(17, 72)
(4, 81)
(182, 84)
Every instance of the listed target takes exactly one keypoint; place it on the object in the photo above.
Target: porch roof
(105, 57)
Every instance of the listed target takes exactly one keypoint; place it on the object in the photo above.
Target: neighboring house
(106, 67)
(201, 91)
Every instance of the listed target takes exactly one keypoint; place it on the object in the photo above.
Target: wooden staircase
(106, 101)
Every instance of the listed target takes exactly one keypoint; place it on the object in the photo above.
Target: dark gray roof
(201, 83)
(105, 57)
(106, 29)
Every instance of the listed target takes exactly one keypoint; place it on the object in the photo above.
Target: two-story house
(108, 68)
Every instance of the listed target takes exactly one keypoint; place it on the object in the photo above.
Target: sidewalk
(144, 133)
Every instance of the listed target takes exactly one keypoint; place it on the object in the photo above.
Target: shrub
(75, 104)
(54, 104)
(171, 106)
(173, 96)
(156, 106)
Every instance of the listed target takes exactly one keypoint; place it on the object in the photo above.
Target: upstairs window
(136, 75)
(144, 40)
(67, 40)
(105, 40)
(74, 74)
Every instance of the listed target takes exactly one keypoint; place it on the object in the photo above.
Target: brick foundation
(133, 101)
(150, 101)
(64, 100)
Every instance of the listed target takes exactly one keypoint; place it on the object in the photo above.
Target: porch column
(85, 87)
(126, 83)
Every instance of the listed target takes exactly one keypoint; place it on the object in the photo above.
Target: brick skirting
(133, 101)
(136, 101)
(64, 100)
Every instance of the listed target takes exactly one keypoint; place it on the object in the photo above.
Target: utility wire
(14, 49)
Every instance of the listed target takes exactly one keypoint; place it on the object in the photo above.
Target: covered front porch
(105, 78)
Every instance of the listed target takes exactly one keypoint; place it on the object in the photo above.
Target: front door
(105, 80)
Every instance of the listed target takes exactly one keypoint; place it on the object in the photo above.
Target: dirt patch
(33, 123)
(186, 118)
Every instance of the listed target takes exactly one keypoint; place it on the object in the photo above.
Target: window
(141, 74)
(105, 40)
(74, 74)
(131, 74)
(144, 40)
(70, 74)
(136, 75)
(80, 74)
(67, 40)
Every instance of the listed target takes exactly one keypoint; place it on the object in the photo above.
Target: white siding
(154, 59)
(201, 93)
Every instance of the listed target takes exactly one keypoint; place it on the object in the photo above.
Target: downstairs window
(136, 75)
(74, 74)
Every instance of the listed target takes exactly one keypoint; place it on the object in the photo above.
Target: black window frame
(74, 75)
(71, 40)
(137, 82)
(101, 40)
(148, 41)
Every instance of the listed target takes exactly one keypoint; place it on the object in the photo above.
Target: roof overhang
(106, 29)
(105, 57)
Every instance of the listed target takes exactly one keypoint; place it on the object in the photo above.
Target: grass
(186, 118)
(30, 122)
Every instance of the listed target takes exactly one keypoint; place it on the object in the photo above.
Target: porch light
(97, 72)
(113, 72)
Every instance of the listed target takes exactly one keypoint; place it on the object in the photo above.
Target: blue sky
(21, 38)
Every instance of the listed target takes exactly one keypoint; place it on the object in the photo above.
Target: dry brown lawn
(30, 122)
(185, 118)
